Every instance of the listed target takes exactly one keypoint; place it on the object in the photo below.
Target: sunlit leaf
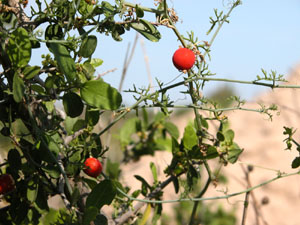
(146, 29)
(18, 88)
(19, 47)
(101, 95)
(65, 62)
(88, 46)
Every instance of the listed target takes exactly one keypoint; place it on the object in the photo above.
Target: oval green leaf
(146, 29)
(88, 46)
(172, 130)
(14, 158)
(102, 194)
(31, 71)
(32, 190)
(101, 95)
(72, 104)
(190, 138)
(19, 47)
(18, 88)
(53, 32)
(65, 63)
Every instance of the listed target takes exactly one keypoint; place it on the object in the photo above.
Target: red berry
(7, 183)
(184, 59)
(92, 167)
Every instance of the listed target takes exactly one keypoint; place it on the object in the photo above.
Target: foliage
(47, 154)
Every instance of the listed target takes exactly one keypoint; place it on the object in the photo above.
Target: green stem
(132, 5)
(209, 198)
(190, 80)
(208, 109)
(201, 193)
(218, 30)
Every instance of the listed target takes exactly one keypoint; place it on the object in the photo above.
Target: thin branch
(70, 138)
(131, 213)
(132, 5)
(104, 73)
(246, 201)
(280, 176)
(61, 185)
(192, 218)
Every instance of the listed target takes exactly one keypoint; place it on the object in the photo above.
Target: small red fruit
(7, 183)
(184, 59)
(92, 167)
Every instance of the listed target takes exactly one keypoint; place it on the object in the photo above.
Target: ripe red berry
(184, 59)
(7, 183)
(92, 167)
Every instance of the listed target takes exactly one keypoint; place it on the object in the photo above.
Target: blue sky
(261, 34)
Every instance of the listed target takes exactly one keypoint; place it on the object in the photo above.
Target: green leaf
(49, 105)
(220, 136)
(41, 199)
(96, 62)
(209, 152)
(139, 12)
(53, 32)
(31, 71)
(176, 184)
(136, 193)
(32, 190)
(85, 8)
(88, 70)
(204, 122)
(172, 130)
(72, 104)
(145, 184)
(229, 135)
(90, 213)
(52, 171)
(80, 124)
(102, 194)
(14, 158)
(65, 62)
(37, 88)
(88, 46)
(101, 95)
(147, 30)
(296, 163)
(107, 8)
(18, 88)
(191, 175)
(19, 47)
(157, 214)
(91, 183)
(101, 220)
(154, 171)
(69, 124)
(190, 138)
(35, 44)
(175, 146)
(234, 152)
(92, 116)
